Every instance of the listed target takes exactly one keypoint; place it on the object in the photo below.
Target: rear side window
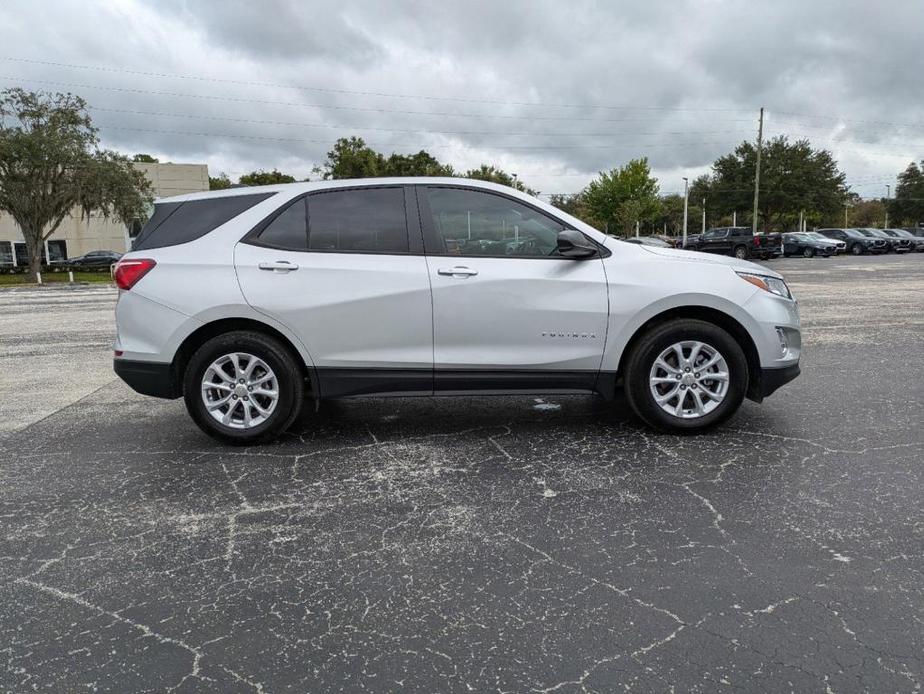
(289, 229)
(181, 222)
(367, 220)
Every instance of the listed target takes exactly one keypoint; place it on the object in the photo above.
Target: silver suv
(247, 301)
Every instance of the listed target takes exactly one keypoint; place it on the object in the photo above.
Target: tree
(572, 204)
(352, 158)
(265, 178)
(671, 214)
(907, 207)
(794, 179)
(51, 165)
(420, 164)
(867, 213)
(496, 175)
(219, 182)
(145, 159)
(620, 197)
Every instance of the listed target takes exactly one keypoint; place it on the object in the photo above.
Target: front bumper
(773, 379)
(148, 377)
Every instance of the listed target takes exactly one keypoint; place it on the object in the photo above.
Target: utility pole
(846, 207)
(686, 200)
(760, 140)
(636, 228)
(704, 215)
(888, 192)
(735, 218)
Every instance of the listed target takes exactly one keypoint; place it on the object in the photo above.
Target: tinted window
(181, 222)
(469, 222)
(370, 220)
(289, 229)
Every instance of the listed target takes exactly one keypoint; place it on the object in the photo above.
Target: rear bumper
(772, 380)
(148, 377)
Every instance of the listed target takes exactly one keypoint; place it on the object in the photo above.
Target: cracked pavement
(478, 544)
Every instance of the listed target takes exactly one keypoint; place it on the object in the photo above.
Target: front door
(351, 283)
(509, 313)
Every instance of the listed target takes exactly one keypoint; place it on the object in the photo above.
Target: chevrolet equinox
(246, 302)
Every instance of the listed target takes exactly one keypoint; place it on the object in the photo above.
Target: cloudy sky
(554, 91)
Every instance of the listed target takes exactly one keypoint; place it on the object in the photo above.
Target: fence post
(70, 276)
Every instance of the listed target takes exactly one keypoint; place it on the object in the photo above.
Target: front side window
(365, 220)
(473, 223)
(289, 229)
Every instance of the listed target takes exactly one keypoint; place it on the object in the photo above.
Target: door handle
(278, 266)
(457, 271)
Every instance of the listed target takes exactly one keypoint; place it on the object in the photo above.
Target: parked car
(648, 241)
(840, 246)
(857, 243)
(242, 300)
(740, 242)
(916, 242)
(95, 258)
(894, 245)
(799, 243)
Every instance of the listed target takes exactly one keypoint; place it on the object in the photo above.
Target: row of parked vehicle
(742, 243)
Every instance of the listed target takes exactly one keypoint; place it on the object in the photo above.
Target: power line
(406, 145)
(210, 97)
(417, 131)
(392, 95)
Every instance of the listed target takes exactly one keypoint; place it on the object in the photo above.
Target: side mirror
(573, 244)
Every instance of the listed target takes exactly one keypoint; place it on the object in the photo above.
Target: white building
(78, 235)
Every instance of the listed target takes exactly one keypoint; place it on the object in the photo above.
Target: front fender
(624, 326)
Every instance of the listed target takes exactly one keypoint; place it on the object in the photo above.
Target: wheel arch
(220, 326)
(707, 314)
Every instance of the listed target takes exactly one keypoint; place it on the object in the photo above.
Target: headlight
(768, 284)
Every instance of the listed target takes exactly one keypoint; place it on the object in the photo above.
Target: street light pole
(686, 200)
(888, 192)
(704, 215)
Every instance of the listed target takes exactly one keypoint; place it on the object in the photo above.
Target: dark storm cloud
(554, 91)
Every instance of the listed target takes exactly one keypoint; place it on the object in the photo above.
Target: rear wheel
(741, 252)
(243, 388)
(685, 376)
(856, 249)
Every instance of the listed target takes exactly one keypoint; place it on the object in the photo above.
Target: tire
(741, 252)
(856, 249)
(640, 367)
(233, 350)
(808, 252)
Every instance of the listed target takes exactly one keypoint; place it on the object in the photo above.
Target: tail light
(128, 272)
(757, 241)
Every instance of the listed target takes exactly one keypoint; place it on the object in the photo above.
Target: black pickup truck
(739, 242)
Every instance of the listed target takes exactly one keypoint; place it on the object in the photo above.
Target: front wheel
(685, 376)
(808, 252)
(243, 387)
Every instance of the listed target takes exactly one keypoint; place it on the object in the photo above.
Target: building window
(22, 255)
(6, 253)
(57, 251)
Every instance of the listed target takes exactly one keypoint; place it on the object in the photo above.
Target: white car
(248, 301)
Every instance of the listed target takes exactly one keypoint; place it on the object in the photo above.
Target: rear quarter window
(174, 223)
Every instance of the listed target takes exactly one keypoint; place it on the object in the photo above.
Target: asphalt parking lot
(513, 544)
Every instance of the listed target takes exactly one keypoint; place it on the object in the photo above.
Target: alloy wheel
(689, 379)
(240, 390)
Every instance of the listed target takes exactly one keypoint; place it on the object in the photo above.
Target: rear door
(509, 313)
(344, 270)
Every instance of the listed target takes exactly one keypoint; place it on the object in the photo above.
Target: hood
(680, 255)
